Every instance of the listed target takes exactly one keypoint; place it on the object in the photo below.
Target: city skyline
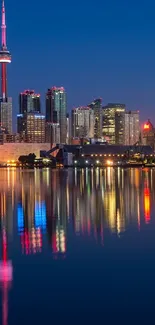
(129, 70)
(77, 194)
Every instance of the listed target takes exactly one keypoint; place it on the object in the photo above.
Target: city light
(87, 172)
(147, 204)
(109, 162)
(146, 126)
(6, 271)
(5, 60)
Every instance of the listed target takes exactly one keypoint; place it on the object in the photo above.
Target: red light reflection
(147, 205)
(6, 275)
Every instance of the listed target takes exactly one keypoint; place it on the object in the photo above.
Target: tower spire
(3, 27)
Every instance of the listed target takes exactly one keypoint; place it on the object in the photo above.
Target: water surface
(77, 246)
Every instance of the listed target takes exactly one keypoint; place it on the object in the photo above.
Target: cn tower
(5, 56)
(5, 101)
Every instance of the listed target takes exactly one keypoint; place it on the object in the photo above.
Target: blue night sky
(92, 48)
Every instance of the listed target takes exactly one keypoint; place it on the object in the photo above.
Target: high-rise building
(132, 127)
(52, 133)
(6, 114)
(30, 122)
(56, 109)
(148, 134)
(68, 128)
(82, 122)
(31, 127)
(29, 102)
(5, 58)
(113, 123)
(96, 105)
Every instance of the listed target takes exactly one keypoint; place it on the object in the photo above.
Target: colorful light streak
(147, 205)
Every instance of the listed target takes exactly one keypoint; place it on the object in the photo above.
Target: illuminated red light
(29, 92)
(146, 126)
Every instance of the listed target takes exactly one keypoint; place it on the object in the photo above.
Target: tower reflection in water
(7, 196)
(47, 205)
(6, 275)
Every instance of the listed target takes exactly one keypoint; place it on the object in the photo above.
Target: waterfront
(77, 245)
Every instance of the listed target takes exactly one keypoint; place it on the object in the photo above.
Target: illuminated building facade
(82, 122)
(53, 133)
(29, 102)
(5, 58)
(132, 127)
(6, 114)
(31, 127)
(96, 106)
(30, 122)
(56, 109)
(8, 138)
(113, 123)
(68, 129)
(148, 134)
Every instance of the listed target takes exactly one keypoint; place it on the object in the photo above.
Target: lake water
(77, 246)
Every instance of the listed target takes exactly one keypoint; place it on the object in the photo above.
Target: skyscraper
(68, 120)
(29, 102)
(96, 105)
(82, 122)
(30, 122)
(31, 127)
(6, 114)
(56, 109)
(5, 58)
(52, 133)
(113, 123)
(148, 134)
(132, 127)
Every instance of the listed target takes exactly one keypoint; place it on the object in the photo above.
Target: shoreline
(82, 167)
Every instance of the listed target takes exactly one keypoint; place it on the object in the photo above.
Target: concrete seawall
(12, 151)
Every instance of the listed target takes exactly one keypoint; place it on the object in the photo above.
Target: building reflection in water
(49, 204)
(92, 200)
(41, 208)
(147, 198)
(57, 204)
(31, 212)
(110, 199)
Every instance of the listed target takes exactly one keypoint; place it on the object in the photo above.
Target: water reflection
(90, 200)
(6, 274)
(43, 208)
